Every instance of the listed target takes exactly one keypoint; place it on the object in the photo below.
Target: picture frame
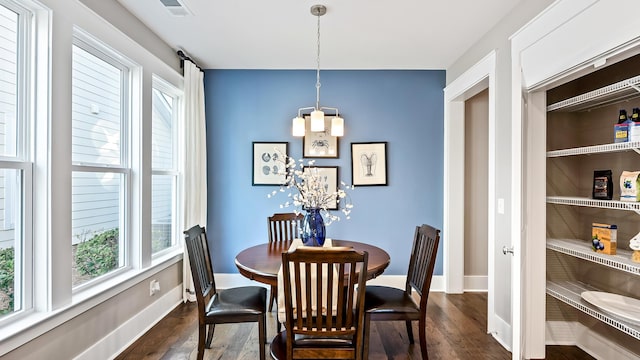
(268, 168)
(319, 144)
(331, 181)
(369, 163)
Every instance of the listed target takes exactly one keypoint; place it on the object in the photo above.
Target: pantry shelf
(581, 249)
(623, 90)
(569, 293)
(596, 149)
(587, 202)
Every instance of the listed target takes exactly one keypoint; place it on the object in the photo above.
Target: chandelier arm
(305, 108)
(330, 108)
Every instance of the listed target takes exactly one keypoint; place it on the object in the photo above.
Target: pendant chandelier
(317, 115)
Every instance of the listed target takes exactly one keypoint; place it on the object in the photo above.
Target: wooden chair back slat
(199, 256)
(422, 261)
(342, 299)
(284, 226)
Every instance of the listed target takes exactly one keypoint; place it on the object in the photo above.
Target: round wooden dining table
(262, 262)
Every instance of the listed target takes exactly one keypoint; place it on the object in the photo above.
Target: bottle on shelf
(634, 126)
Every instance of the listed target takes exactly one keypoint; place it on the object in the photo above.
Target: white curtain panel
(195, 163)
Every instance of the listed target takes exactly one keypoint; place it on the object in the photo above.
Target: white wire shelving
(596, 149)
(587, 202)
(570, 293)
(581, 249)
(622, 90)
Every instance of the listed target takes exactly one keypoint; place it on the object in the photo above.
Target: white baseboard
(437, 283)
(126, 334)
(574, 333)
(599, 346)
(224, 281)
(503, 334)
(476, 283)
(560, 333)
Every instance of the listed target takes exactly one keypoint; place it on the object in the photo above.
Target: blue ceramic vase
(312, 232)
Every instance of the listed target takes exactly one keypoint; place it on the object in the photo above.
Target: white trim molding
(480, 76)
(127, 333)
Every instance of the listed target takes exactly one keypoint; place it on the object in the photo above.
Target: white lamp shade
(317, 120)
(337, 126)
(298, 126)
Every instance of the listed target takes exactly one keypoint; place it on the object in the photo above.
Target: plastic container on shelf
(634, 125)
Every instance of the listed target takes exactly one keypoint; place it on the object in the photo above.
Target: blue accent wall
(402, 107)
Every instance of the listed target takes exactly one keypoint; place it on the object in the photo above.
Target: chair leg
(410, 332)
(202, 331)
(212, 327)
(262, 336)
(272, 297)
(264, 326)
(422, 332)
(367, 330)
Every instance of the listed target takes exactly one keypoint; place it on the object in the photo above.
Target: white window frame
(178, 97)
(23, 162)
(49, 298)
(96, 48)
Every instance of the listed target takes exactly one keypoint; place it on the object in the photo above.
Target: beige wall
(73, 337)
(476, 182)
(498, 39)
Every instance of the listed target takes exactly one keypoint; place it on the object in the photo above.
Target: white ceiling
(355, 34)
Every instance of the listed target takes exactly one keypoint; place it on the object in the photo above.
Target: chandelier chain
(318, 69)
(317, 115)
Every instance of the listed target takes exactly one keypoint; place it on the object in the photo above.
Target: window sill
(34, 324)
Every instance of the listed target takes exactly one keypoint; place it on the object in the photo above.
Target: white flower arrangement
(308, 189)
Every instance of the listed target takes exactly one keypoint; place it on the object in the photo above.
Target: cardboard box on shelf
(604, 238)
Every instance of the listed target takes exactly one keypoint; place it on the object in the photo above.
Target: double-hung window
(100, 156)
(16, 166)
(164, 188)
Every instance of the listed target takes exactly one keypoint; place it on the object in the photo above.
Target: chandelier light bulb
(298, 128)
(317, 120)
(337, 126)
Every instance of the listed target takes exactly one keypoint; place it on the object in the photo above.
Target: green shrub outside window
(98, 255)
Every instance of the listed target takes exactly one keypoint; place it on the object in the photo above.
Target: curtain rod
(184, 57)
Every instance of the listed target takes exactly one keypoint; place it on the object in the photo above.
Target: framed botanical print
(319, 144)
(328, 178)
(369, 163)
(268, 164)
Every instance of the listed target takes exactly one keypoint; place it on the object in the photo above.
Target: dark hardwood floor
(456, 330)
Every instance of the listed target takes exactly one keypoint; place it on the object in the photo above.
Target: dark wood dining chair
(336, 331)
(282, 227)
(233, 305)
(383, 303)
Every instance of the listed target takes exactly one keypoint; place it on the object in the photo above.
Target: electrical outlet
(154, 287)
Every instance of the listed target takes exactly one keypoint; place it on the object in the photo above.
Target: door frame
(566, 24)
(477, 78)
